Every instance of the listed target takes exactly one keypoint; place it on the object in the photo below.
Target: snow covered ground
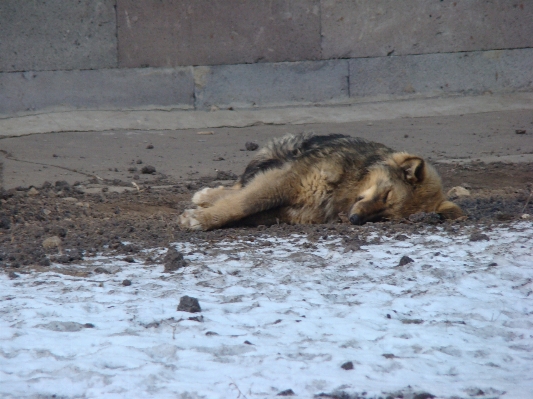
(280, 315)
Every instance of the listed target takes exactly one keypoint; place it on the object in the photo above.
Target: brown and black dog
(312, 179)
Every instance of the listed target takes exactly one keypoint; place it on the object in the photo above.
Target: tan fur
(316, 188)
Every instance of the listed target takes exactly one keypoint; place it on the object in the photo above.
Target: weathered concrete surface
(272, 84)
(438, 74)
(203, 32)
(382, 27)
(156, 120)
(57, 34)
(185, 154)
(98, 89)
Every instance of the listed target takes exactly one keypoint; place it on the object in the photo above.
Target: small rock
(131, 247)
(88, 325)
(222, 175)
(173, 260)
(129, 259)
(206, 133)
(5, 222)
(211, 333)
(148, 170)
(427, 218)
(63, 326)
(33, 191)
(52, 242)
(412, 321)
(189, 304)
(250, 146)
(248, 342)
(525, 216)
(62, 184)
(199, 319)
(12, 275)
(59, 231)
(132, 169)
(45, 262)
(139, 161)
(101, 270)
(504, 216)
(70, 199)
(72, 255)
(479, 237)
(126, 283)
(149, 147)
(287, 392)
(47, 211)
(458, 191)
(520, 131)
(347, 366)
(405, 260)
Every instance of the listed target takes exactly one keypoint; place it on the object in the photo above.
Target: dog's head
(400, 186)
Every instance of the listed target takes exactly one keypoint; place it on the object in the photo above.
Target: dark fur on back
(308, 147)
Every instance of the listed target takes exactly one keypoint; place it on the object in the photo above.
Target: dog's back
(349, 152)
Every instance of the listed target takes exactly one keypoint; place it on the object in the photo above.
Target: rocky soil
(64, 223)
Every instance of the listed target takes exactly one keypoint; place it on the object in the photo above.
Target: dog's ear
(448, 210)
(412, 166)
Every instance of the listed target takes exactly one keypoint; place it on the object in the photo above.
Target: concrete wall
(102, 54)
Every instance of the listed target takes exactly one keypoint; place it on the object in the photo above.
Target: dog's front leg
(266, 191)
(208, 196)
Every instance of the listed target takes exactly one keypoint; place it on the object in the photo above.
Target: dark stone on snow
(173, 260)
(189, 304)
(287, 392)
(405, 260)
(347, 366)
(479, 237)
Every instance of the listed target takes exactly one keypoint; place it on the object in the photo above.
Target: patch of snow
(455, 322)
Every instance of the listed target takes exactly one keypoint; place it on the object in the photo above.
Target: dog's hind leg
(266, 191)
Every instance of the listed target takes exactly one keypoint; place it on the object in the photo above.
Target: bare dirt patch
(65, 223)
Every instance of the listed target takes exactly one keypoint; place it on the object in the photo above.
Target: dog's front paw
(189, 219)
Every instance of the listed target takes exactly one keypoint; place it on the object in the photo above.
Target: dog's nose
(356, 219)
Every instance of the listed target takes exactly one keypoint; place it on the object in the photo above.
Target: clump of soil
(65, 223)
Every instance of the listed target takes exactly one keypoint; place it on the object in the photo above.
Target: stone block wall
(200, 54)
